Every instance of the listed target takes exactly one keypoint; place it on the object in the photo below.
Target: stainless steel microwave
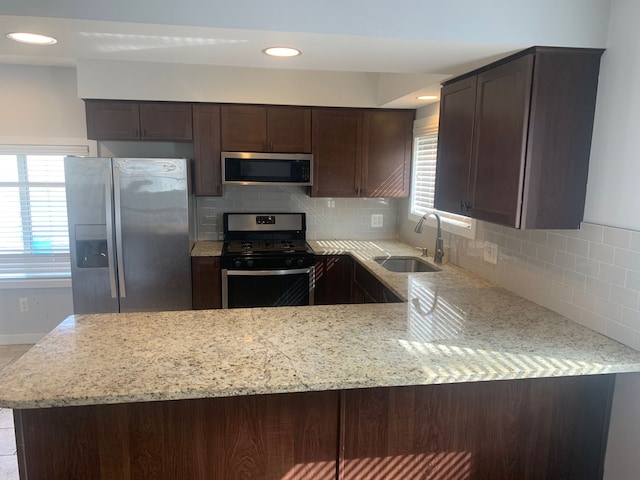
(267, 168)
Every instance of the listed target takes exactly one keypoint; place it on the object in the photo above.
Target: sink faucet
(439, 253)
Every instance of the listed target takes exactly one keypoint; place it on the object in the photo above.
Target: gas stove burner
(252, 242)
(266, 246)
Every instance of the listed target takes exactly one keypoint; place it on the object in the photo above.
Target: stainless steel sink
(405, 264)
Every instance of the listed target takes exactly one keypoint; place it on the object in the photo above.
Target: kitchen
(609, 188)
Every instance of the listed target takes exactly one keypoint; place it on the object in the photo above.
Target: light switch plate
(491, 252)
(376, 220)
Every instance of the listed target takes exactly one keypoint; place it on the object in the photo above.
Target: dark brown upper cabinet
(206, 150)
(124, 120)
(337, 152)
(361, 153)
(387, 146)
(256, 128)
(515, 136)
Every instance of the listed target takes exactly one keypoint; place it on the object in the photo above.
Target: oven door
(267, 288)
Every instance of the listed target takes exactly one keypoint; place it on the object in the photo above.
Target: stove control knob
(300, 261)
(249, 262)
(288, 261)
(237, 263)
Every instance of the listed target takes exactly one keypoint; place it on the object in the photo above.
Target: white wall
(39, 105)
(614, 170)
(622, 462)
(208, 83)
(40, 102)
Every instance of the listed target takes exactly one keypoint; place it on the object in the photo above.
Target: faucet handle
(424, 250)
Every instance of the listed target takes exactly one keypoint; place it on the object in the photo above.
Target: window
(34, 241)
(425, 150)
(425, 147)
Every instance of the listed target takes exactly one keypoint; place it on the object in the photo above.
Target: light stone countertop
(454, 327)
(207, 248)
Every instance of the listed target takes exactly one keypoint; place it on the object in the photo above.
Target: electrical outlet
(491, 252)
(376, 220)
(24, 304)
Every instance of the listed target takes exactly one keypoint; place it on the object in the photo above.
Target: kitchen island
(464, 380)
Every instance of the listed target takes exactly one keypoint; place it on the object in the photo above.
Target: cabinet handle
(137, 134)
(144, 132)
(464, 206)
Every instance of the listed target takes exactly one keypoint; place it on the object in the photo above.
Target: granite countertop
(454, 327)
(207, 248)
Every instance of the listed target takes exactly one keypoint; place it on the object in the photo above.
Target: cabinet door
(499, 142)
(112, 120)
(334, 274)
(289, 130)
(206, 282)
(387, 139)
(166, 121)
(244, 128)
(367, 285)
(455, 137)
(519, 429)
(337, 152)
(206, 149)
(559, 141)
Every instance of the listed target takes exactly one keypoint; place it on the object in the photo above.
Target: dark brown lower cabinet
(368, 289)
(334, 276)
(536, 429)
(519, 429)
(206, 283)
(275, 437)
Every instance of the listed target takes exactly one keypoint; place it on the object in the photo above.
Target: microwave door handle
(108, 200)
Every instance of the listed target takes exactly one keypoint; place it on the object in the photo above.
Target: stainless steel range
(266, 261)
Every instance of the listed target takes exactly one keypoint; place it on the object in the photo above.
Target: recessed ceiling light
(281, 52)
(31, 38)
(427, 97)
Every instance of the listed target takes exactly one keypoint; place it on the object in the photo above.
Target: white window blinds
(34, 241)
(425, 153)
(424, 171)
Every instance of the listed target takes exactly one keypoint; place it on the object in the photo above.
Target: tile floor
(8, 462)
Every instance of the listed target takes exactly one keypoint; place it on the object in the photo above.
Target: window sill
(450, 225)
(33, 283)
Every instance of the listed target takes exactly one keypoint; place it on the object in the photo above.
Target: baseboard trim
(21, 339)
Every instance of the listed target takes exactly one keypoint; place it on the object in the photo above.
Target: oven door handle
(266, 273)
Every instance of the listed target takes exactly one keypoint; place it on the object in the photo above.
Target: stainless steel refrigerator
(130, 234)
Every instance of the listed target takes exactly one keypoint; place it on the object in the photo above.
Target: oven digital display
(266, 219)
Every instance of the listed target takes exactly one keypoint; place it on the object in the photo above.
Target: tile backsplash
(591, 275)
(327, 218)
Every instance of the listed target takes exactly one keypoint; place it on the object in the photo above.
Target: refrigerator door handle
(118, 222)
(108, 189)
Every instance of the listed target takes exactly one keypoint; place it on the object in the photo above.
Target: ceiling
(401, 37)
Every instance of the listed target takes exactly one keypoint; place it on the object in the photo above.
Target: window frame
(42, 146)
(455, 224)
